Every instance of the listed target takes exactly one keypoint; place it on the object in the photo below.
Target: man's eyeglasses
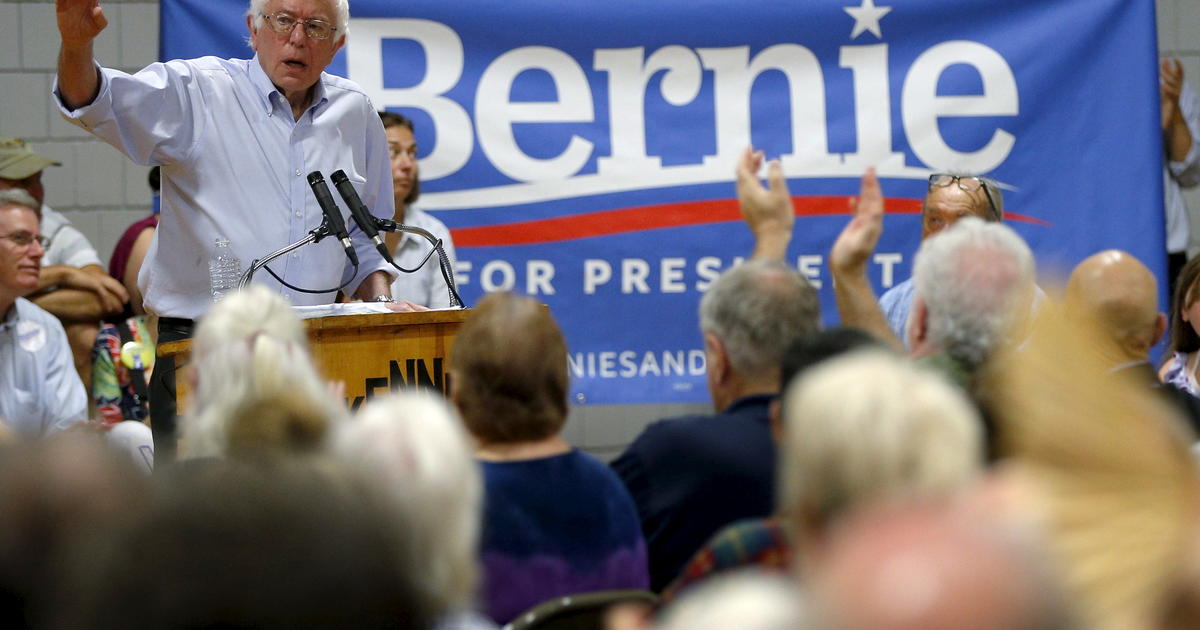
(25, 239)
(967, 183)
(283, 23)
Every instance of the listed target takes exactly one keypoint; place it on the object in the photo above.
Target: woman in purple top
(556, 520)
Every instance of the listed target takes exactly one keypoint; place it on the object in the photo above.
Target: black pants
(1175, 263)
(162, 390)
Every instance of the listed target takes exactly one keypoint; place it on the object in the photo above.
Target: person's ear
(253, 32)
(717, 357)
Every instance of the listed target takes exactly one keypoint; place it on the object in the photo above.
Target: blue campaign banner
(583, 152)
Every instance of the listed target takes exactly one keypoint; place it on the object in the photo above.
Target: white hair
(870, 425)
(341, 8)
(255, 377)
(758, 309)
(412, 448)
(746, 599)
(20, 197)
(976, 280)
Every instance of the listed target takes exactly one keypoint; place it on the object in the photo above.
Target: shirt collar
(11, 318)
(263, 86)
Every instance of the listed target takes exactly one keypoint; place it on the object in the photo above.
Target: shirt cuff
(86, 115)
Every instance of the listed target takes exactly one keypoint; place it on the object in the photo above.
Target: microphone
(333, 216)
(362, 216)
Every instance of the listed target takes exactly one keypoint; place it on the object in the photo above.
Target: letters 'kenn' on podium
(371, 353)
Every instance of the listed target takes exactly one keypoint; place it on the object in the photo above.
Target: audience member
(256, 389)
(973, 287)
(925, 566)
(427, 285)
(124, 353)
(72, 285)
(556, 521)
(54, 497)
(412, 449)
(1181, 167)
(764, 542)
(866, 427)
(949, 197)
(1182, 367)
(691, 476)
(1118, 296)
(41, 392)
(275, 545)
(1103, 471)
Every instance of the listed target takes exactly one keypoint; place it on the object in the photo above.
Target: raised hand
(768, 211)
(79, 21)
(858, 239)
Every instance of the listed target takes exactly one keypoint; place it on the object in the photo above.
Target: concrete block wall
(99, 190)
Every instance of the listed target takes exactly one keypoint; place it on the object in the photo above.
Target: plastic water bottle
(224, 269)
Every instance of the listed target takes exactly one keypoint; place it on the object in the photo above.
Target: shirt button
(297, 172)
(295, 255)
(299, 214)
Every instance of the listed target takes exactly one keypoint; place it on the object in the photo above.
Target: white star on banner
(866, 18)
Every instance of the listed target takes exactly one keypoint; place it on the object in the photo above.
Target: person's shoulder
(897, 292)
(675, 432)
(335, 84)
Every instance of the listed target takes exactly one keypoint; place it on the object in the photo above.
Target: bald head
(1116, 291)
(916, 567)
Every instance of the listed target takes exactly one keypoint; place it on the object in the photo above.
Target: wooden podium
(370, 353)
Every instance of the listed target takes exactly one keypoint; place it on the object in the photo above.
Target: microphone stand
(313, 237)
(388, 225)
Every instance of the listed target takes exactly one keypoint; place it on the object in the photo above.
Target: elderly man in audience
(40, 391)
(556, 521)
(949, 197)
(73, 284)
(287, 545)
(691, 476)
(1117, 295)
(256, 389)
(411, 449)
(970, 574)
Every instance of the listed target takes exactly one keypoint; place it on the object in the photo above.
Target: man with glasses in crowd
(950, 197)
(40, 392)
(236, 139)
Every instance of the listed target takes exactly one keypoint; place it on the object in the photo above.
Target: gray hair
(255, 379)
(20, 197)
(341, 7)
(976, 280)
(869, 425)
(412, 449)
(758, 309)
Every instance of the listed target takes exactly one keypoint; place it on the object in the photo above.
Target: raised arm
(768, 212)
(79, 22)
(856, 302)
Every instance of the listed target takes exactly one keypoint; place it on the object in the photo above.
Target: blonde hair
(869, 425)
(257, 389)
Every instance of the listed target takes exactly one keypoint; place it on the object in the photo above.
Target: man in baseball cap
(21, 167)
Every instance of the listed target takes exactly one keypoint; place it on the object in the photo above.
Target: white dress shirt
(234, 165)
(426, 287)
(40, 391)
(1185, 174)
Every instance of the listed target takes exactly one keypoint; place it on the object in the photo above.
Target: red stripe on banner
(608, 222)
